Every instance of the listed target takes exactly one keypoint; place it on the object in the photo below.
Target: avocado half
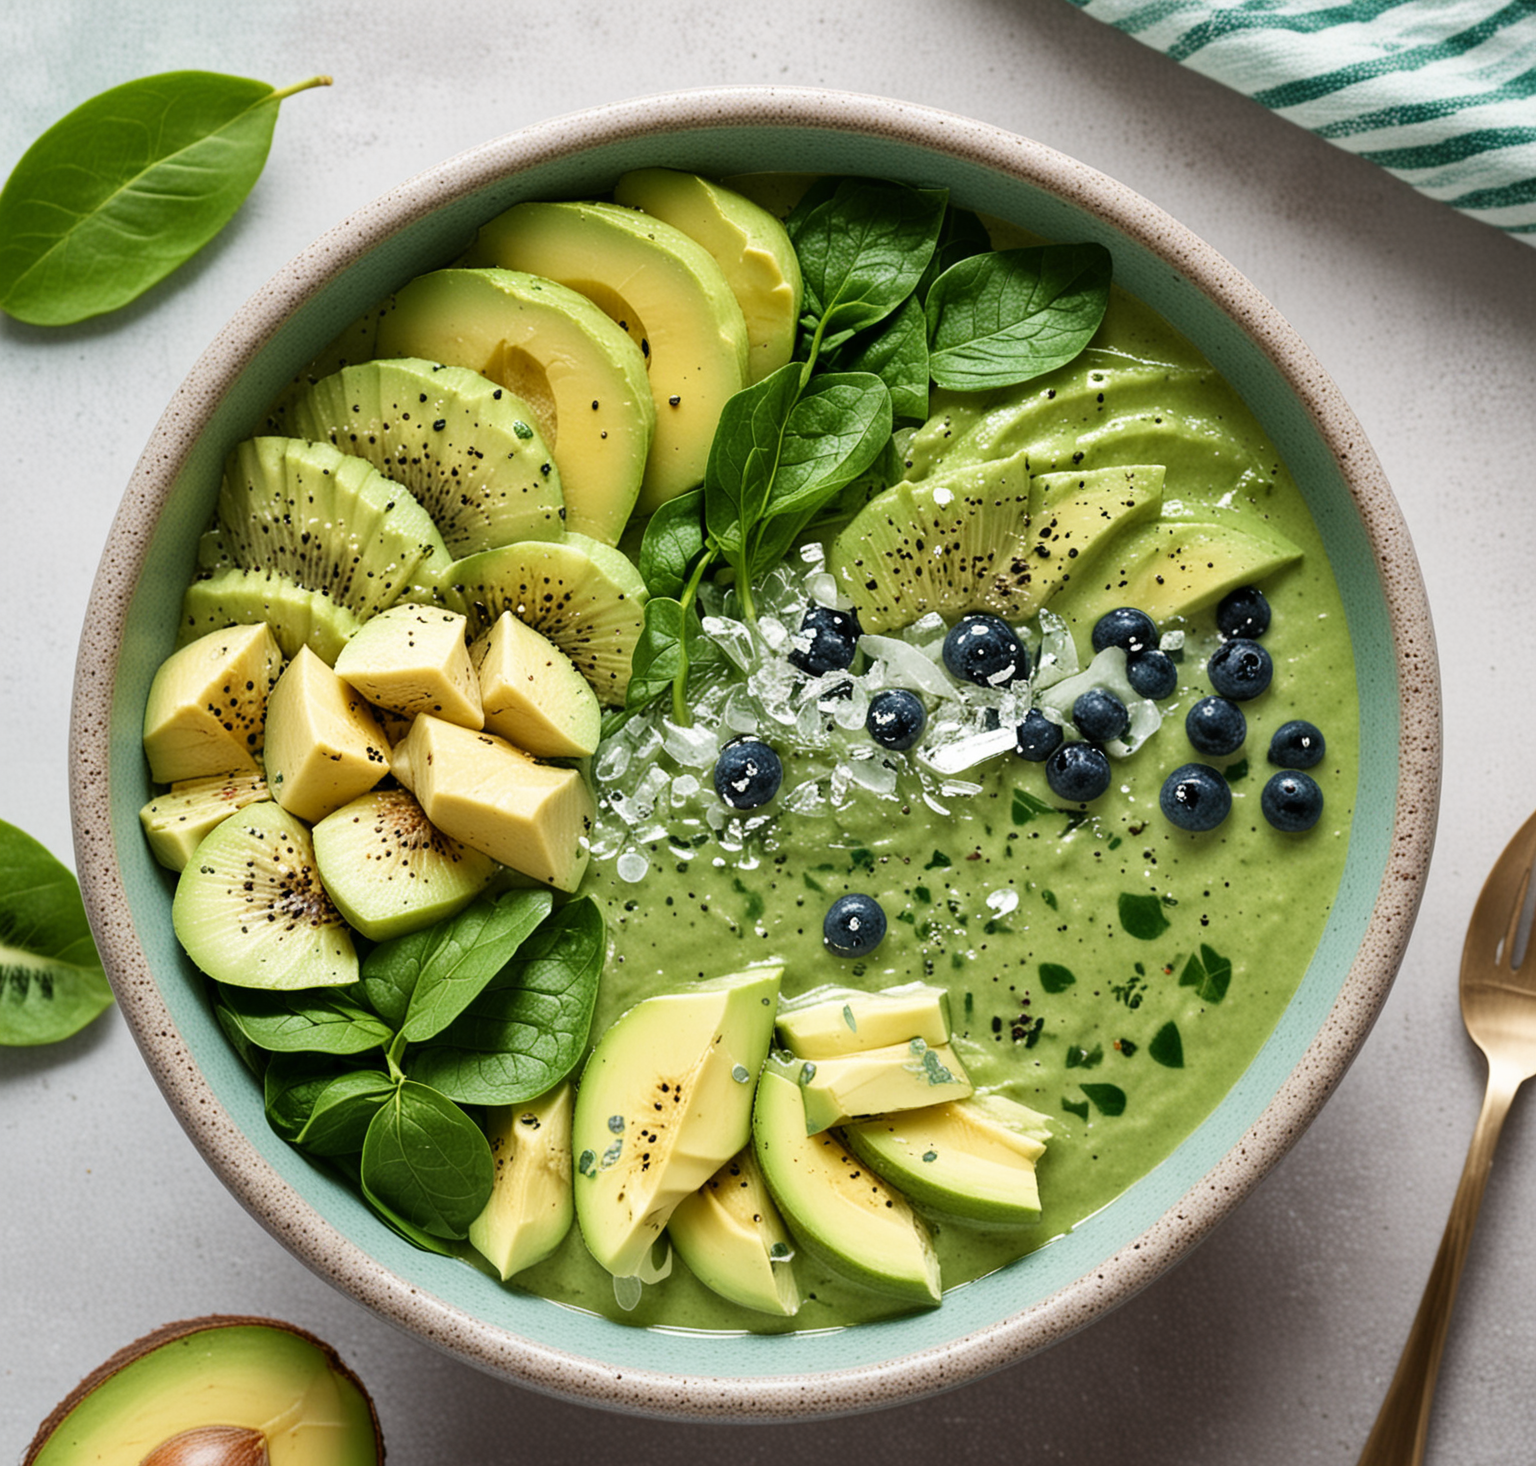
(222, 1390)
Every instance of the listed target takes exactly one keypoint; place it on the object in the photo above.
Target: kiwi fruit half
(298, 617)
(390, 870)
(952, 543)
(323, 520)
(585, 597)
(466, 447)
(250, 909)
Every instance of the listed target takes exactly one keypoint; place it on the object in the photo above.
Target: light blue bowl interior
(433, 241)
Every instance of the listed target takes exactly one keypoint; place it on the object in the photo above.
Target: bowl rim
(315, 1241)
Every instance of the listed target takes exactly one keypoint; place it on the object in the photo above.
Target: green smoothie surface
(1105, 968)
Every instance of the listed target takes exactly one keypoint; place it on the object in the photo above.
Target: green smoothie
(1105, 968)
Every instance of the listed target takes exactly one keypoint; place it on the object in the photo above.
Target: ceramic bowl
(1009, 1314)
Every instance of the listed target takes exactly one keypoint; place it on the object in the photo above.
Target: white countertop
(1273, 1343)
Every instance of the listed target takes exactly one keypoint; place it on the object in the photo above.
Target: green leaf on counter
(131, 184)
(51, 978)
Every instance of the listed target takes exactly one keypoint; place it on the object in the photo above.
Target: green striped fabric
(1441, 93)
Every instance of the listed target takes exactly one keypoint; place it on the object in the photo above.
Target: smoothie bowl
(922, 763)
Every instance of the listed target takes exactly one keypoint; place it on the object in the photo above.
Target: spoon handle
(1402, 1425)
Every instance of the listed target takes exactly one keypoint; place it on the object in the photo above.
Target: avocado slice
(972, 1158)
(667, 293)
(837, 1208)
(584, 379)
(531, 1207)
(249, 1384)
(829, 1021)
(902, 1076)
(733, 1240)
(664, 1101)
(751, 247)
(1170, 568)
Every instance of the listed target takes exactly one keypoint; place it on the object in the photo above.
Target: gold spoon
(1498, 1006)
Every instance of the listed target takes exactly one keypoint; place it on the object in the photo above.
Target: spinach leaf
(290, 1087)
(528, 1028)
(962, 236)
(671, 645)
(255, 1059)
(896, 351)
(422, 981)
(998, 319)
(128, 186)
(832, 434)
(426, 1160)
(863, 250)
(316, 1020)
(1209, 973)
(342, 1111)
(744, 456)
(51, 979)
(350, 1167)
(673, 540)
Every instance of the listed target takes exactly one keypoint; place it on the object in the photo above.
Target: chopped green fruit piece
(531, 1206)
(830, 1021)
(902, 1076)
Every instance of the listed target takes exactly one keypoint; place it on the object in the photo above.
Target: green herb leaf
(315, 1020)
(425, 1160)
(673, 540)
(128, 186)
(1027, 807)
(1108, 1099)
(342, 1112)
(51, 979)
(1209, 973)
(1167, 1048)
(528, 1028)
(1142, 916)
(863, 250)
(421, 982)
(1055, 978)
(1001, 318)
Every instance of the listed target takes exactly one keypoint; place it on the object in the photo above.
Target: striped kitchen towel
(1441, 93)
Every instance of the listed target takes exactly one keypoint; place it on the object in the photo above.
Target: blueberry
(1100, 716)
(1216, 726)
(983, 649)
(1126, 627)
(1240, 669)
(826, 641)
(1297, 745)
(854, 926)
(1243, 612)
(1292, 802)
(896, 718)
(1195, 797)
(1078, 771)
(1152, 674)
(1038, 737)
(747, 773)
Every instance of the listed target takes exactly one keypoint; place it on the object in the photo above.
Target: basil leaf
(422, 981)
(744, 456)
(342, 1112)
(128, 186)
(671, 645)
(528, 1028)
(51, 979)
(427, 1161)
(896, 351)
(673, 540)
(290, 1087)
(314, 1020)
(863, 251)
(998, 319)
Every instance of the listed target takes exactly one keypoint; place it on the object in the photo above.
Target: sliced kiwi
(176, 822)
(322, 519)
(584, 596)
(298, 617)
(467, 448)
(952, 543)
(390, 870)
(250, 909)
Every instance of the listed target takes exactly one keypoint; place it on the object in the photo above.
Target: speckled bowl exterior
(1020, 1309)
